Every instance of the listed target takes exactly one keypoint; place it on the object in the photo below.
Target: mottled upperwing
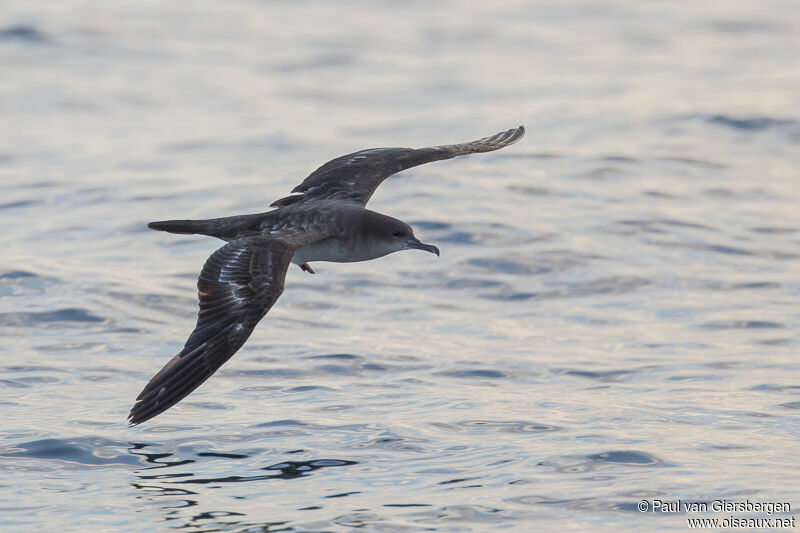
(239, 283)
(354, 177)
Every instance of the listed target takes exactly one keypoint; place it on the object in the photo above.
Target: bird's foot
(306, 267)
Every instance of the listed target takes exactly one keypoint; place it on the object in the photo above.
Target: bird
(323, 219)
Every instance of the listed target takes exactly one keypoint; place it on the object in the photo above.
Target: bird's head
(391, 235)
(403, 237)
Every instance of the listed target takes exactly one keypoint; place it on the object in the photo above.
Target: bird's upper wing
(354, 177)
(238, 285)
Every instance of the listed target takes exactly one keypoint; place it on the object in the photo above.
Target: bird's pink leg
(306, 267)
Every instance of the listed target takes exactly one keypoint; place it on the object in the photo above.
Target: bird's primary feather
(237, 286)
(354, 177)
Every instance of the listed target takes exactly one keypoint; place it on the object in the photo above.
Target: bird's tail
(185, 227)
(222, 228)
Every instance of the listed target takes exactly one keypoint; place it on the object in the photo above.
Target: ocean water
(614, 317)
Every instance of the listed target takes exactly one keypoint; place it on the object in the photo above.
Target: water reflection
(178, 502)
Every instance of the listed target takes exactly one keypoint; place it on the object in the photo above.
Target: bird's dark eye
(397, 233)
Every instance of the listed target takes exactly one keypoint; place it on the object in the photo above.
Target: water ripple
(499, 426)
(45, 318)
(85, 451)
(749, 123)
(741, 324)
(26, 33)
(285, 470)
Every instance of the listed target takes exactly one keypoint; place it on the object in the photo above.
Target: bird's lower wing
(354, 177)
(238, 285)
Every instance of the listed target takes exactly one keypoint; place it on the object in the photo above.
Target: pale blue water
(614, 316)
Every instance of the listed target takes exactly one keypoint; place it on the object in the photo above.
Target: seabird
(324, 219)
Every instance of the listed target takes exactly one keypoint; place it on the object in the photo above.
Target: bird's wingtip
(132, 421)
(509, 137)
(138, 413)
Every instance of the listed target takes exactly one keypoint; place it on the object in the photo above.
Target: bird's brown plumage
(354, 177)
(241, 281)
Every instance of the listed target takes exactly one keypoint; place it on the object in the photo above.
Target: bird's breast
(329, 249)
(335, 250)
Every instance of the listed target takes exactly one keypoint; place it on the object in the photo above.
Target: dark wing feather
(354, 177)
(238, 285)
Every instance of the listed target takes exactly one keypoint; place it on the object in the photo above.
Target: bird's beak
(417, 245)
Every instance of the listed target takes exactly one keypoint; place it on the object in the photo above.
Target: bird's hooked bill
(417, 245)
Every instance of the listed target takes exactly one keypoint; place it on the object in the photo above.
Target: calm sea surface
(614, 317)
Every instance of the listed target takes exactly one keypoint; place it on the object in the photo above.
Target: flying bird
(324, 219)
